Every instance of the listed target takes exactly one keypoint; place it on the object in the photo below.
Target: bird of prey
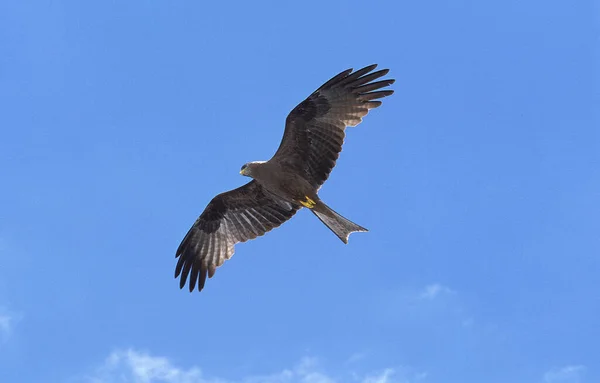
(312, 140)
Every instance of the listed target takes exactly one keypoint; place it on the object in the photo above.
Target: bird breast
(284, 183)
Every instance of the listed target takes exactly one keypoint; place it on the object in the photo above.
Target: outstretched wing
(315, 129)
(231, 217)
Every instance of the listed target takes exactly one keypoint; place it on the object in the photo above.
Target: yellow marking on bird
(308, 202)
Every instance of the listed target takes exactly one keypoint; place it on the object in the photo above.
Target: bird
(312, 141)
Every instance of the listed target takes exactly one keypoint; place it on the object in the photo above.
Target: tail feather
(342, 227)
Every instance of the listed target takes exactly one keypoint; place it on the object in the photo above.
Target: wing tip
(369, 68)
(384, 71)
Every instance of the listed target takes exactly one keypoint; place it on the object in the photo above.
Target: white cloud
(8, 318)
(356, 357)
(566, 374)
(433, 291)
(132, 366)
(7, 322)
(468, 322)
(383, 377)
(395, 375)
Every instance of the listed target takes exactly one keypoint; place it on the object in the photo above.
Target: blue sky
(479, 180)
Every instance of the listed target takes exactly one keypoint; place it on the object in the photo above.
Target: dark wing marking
(231, 217)
(315, 129)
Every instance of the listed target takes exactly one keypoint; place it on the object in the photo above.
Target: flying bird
(312, 140)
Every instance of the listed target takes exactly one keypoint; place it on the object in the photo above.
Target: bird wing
(315, 129)
(231, 217)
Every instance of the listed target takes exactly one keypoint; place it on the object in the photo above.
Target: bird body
(281, 180)
(290, 180)
(288, 185)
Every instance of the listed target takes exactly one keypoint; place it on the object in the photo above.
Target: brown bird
(312, 140)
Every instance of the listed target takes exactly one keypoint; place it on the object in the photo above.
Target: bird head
(245, 171)
(249, 169)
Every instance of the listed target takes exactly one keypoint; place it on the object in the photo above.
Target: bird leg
(307, 202)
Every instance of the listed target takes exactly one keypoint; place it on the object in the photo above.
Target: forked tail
(342, 227)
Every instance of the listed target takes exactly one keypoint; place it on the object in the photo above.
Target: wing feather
(369, 78)
(231, 217)
(315, 129)
(357, 74)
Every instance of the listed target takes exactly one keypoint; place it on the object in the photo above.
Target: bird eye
(243, 167)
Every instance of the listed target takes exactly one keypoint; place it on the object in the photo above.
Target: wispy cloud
(433, 301)
(395, 375)
(5, 324)
(566, 374)
(356, 357)
(433, 291)
(384, 377)
(132, 366)
(7, 317)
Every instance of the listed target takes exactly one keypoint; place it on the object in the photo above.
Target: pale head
(249, 169)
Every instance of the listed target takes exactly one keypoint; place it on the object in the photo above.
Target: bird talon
(308, 202)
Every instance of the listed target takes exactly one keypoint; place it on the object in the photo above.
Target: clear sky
(479, 180)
